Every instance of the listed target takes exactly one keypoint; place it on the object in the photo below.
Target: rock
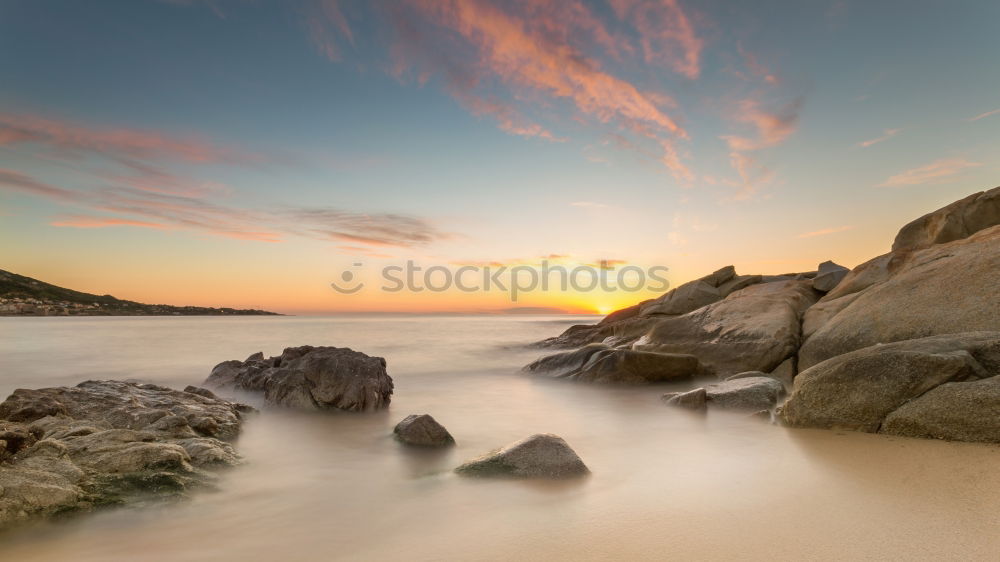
(859, 390)
(628, 324)
(692, 399)
(956, 221)
(753, 393)
(602, 364)
(539, 456)
(108, 442)
(746, 375)
(754, 329)
(956, 411)
(310, 378)
(829, 276)
(944, 289)
(422, 430)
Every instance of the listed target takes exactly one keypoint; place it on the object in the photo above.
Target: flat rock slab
(310, 378)
(424, 431)
(600, 363)
(540, 456)
(108, 442)
(753, 393)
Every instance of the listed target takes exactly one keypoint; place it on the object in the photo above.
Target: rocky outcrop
(866, 389)
(108, 442)
(310, 378)
(943, 289)
(423, 431)
(539, 456)
(754, 329)
(956, 221)
(829, 276)
(956, 411)
(600, 363)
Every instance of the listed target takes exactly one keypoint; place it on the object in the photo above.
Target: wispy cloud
(886, 135)
(769, 129)
(124, 173)
(666, 33)
(984, 115)
(934, 171)
(590, 205)
(826, 231)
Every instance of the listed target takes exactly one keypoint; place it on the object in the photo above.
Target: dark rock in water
(108, 442)
(539, 456)
(901, 388)
(310, 378)
(692, 399)
(829, 276)
(602, 364)
(745, 393)
(422, 430)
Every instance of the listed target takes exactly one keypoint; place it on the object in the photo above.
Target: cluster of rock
(906, 343)
(101, 443)
(310, 377)
(542, 455)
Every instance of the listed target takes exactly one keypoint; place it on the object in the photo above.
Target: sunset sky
(241, 153)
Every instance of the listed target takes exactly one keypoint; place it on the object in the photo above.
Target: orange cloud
(933, 171)
(825, 231)
(771, 128)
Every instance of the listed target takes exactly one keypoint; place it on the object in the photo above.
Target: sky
(248, 153)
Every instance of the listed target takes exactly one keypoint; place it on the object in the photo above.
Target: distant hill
(24, 296)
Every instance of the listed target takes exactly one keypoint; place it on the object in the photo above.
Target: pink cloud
(83, 221)
(16, 181)
(770, 128)
(325, 24)
(116, 143)
(886, 135)
(929, 173)
(666, 33)
(826, 231)
(984, 115)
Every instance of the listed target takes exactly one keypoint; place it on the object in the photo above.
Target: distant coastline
(24, 296)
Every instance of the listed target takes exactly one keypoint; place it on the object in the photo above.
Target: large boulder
(901, 382)
(753, 329)
(958, 220)
(943, 289)
(422, 430)
(956, 411)
(310, 377)
(600, 363)
(540, 456)
(108, 442)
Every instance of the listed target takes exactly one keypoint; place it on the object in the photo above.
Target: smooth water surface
(666, 484)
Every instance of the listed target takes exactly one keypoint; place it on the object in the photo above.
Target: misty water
(666, 484)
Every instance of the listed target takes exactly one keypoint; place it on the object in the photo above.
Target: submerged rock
(693, 399)
(108, 442)
(540, 456)
(602, 364)
(422, 430)
(309, 378)
(753, 393)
